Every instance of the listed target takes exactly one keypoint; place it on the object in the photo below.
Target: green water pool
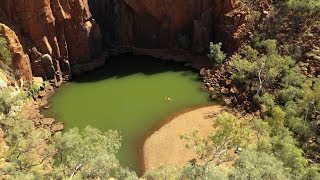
(132, 94)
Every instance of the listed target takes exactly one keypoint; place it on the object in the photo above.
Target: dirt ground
(165, 147)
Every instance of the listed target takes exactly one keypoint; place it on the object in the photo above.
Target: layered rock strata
(20, 63)
(62, 37)
(172, 24)
(57, 34)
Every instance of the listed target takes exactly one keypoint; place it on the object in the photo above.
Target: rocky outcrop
(58, 34)
(174, 24)
(20, 63)
(230, 24)
(62, 38)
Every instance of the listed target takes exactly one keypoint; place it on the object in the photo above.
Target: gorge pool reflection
(131, 94)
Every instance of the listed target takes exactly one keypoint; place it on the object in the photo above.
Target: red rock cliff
(159, 24)
(62, 38)
(20, 60)
(57, 33)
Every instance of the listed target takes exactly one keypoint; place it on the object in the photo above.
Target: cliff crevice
(174, 24)
(57, 34)
(64, 37)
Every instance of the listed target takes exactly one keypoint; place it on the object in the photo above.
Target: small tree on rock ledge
(215, 55)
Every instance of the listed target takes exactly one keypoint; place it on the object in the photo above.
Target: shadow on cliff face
(126, 65)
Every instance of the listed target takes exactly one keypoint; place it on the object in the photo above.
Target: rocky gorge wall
(66, 37)
(56, 34)
(168, 24)
(20, 64)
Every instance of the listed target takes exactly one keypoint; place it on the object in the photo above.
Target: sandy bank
(164, 147)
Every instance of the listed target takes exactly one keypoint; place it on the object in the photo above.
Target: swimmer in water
(167, 98)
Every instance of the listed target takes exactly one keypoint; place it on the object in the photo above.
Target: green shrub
(216, 56)
(8, 100)
(34, 89)
(262, 66)
(90, 154)
(258, 165)
(46, 83)
(5, 55)
(239, 79)
(304, 5)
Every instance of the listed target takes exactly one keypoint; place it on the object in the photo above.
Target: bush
(8, 100)
(262, 67)
(304, 5)
(34, 89)
(216, 55)
(258, 165)
(90, 154)
(5, 55)
(46, 83)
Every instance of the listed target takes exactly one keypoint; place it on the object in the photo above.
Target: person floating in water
(167, 98)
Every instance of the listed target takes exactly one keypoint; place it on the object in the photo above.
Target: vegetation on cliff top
(286, 102)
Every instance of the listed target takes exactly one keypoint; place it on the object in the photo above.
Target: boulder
(42, 94)
(227, 101)
(224, 90)
(212, 89)
(57, 127)
(234, 90)
(48, 66)
(38, 81)
(47, 121)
